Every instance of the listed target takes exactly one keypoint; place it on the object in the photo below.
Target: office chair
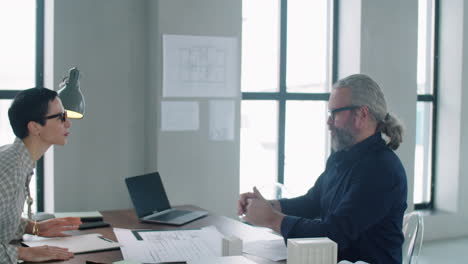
(413, 230)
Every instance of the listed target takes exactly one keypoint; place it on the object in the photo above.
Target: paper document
(170, 250)
(150, 246)
(223, 260)
(270, 249)
(77, 244)
(222, 118)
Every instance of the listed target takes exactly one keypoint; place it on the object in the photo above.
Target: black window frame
(433, 98)
(282, 95)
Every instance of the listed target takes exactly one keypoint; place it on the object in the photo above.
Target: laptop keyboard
(169, 215)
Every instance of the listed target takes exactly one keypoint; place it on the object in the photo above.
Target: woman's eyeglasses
(62, 116)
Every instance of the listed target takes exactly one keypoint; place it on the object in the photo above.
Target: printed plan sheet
(222, 117)
(150, 246)
(200, 66)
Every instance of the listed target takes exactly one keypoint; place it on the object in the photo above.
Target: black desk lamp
(71, 96)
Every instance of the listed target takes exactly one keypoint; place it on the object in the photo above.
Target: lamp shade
(71, 96)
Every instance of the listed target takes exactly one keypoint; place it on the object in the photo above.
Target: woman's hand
(54, 227)
(43, 253)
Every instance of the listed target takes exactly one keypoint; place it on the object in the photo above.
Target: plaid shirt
(16, 168)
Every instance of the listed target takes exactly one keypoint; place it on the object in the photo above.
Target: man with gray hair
(360, 199)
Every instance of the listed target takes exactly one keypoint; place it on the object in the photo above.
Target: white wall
(195, 169)
(451, 218)
(117, 47)
(389, 54)
(106, 41)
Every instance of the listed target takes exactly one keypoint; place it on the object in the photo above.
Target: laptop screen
(147, 194)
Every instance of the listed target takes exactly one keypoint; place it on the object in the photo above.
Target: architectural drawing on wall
(197, 66)
(202, 65)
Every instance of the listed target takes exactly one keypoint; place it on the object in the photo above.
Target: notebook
(151, 203)
(87, 216)
(77, 244)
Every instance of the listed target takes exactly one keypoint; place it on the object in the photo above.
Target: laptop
(151, 204)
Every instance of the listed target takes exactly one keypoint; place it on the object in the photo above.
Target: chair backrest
(413, 230)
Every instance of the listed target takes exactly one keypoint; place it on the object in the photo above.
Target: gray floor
(444, 251)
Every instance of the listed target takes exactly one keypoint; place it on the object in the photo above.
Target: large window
(286, 79)
(20, 53)
(426, 109)
(286, 75)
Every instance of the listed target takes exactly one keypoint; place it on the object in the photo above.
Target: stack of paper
(77, 244)
(320, 250)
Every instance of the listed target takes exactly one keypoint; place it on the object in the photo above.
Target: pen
(106, 239)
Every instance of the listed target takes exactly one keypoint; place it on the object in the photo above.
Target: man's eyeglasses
(341, 109)
(62, 116)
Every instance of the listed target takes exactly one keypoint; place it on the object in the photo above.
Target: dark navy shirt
(358, 202)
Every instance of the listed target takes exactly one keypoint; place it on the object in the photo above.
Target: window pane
(423, 159)
(259, 145)
(306, 144)
(260, 45)
(308, 46)
(7, 136)
(425, 46)
(18, 45)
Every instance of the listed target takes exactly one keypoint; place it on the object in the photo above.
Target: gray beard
(343, 139)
